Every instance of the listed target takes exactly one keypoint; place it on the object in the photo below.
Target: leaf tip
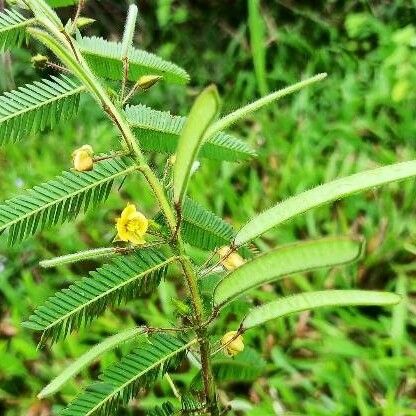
(31, 325)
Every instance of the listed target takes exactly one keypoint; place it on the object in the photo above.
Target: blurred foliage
(343, 362)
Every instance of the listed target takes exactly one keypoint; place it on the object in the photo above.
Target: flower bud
(232, 344)
(147, 81)
(82, 158)
(84, 21)
(230, 260)
(39, 61)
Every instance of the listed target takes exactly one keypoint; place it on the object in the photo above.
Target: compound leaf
(119, 281)
(12, 28)
(159, 131)
(137, 370)
(201, 227)
(244, 367)
(36, 106)
(105, 59)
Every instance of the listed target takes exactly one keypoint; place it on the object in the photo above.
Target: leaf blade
(105, 59)
(33, 107)
(159, 131)
(321, 195)
(282, 261)
(313, 300)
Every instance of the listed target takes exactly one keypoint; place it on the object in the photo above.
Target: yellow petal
(138, 223)
(136, 239)
(129, 211)
(123, 234)
(132, 225)
(85, 148)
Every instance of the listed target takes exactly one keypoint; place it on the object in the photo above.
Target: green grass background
(332, 362)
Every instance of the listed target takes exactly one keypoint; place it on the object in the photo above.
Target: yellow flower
(232, 345)
(230, 261)
(82, 158)
(132, 225)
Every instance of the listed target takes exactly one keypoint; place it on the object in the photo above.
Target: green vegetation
(329, 361)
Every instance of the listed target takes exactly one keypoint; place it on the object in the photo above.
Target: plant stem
(192, 286)
(204, 347)
(78, 13)
(208, 378)
(160, 195)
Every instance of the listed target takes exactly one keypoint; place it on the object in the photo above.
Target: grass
(346, 362)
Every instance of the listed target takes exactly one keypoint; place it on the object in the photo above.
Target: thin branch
(57, 67)
(81, 4)
(125, 76)
(112, 156)
(152, 330)
(172, 386)
(131, 92)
